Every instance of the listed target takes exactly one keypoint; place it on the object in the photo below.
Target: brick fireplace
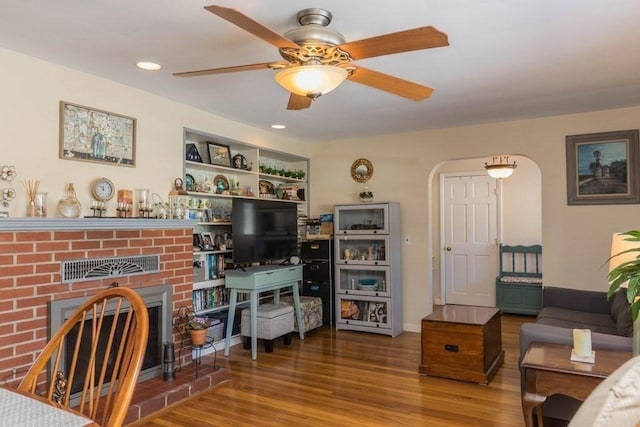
(31, 253)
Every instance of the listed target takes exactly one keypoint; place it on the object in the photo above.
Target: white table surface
(17, 410)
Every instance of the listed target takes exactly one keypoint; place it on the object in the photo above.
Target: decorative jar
(69, 206)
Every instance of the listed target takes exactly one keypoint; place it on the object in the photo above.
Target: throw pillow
(621, 312)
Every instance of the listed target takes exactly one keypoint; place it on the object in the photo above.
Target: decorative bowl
(367, 284)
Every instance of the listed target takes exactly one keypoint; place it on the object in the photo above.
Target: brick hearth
(156, 394)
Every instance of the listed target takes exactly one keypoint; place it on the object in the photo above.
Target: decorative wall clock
(103, 189)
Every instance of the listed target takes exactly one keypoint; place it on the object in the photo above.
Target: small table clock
(103, 189)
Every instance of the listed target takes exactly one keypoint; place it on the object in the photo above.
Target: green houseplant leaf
(629, 272)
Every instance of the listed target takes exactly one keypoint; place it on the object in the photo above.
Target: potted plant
(366, 196)
(626, 273)
(197, 327)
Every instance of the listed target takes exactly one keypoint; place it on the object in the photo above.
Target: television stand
(254, 280)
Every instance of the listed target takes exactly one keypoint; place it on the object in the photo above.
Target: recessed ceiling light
(151, 66)
(278, 126)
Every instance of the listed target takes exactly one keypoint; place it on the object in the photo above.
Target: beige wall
(29, 131)
(575, 238)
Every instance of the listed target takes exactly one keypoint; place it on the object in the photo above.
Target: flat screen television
(264, 230)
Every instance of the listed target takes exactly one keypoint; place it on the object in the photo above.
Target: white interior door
(469, 224)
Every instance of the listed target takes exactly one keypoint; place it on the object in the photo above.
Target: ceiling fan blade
(248, 67)
(391, 84)
(298, 102)
(402, 41)
(254, 27)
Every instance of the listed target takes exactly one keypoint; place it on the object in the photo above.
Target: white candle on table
(582, 342)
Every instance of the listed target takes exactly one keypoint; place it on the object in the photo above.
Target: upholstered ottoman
(274, 321)
(311, 308)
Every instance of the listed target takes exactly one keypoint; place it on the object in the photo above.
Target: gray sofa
(565, 309)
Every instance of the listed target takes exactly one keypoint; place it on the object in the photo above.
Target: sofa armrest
(575, 299)
(530, 332)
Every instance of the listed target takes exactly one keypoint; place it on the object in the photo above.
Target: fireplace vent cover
(96, 268)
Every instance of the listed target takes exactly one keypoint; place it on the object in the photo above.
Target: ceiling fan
(318, 59)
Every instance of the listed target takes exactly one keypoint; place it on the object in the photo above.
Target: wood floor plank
(343, 378)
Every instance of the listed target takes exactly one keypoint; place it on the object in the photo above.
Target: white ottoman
(274, 321)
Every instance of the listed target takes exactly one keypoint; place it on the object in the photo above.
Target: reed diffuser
(31, 185)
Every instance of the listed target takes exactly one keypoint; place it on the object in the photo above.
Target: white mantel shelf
(66, 224)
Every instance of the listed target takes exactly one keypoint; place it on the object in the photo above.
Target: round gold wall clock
(103, 189)
(361, 170)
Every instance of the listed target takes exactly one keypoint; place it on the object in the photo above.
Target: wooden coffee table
(462, 342)
(548, 370)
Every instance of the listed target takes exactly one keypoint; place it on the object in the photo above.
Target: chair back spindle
(109, 335)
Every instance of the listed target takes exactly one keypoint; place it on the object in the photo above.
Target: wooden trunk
(462, 343)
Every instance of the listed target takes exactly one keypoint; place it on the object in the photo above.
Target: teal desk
(260, 279)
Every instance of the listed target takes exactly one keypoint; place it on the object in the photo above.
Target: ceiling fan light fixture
(500, 167)
(311, 80)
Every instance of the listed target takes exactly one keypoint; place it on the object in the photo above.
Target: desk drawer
(278, 276)
(316, 270)
(256, 280)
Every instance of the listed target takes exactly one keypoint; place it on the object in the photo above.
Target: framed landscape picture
(602, 168)
(99, 136)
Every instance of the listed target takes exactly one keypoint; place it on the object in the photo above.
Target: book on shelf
(216, 265)
(211, 298)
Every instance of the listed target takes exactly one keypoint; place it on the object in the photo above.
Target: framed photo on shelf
(602, 168)
(192, 154)
(219, 154)
(207, 240)
(92, 135)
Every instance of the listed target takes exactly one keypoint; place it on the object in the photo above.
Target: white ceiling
(507, 59)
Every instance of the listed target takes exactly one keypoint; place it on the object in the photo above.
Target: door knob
(448, 249)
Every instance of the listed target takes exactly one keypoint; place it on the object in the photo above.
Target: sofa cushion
(615, 401)
(573, 319)
(621, 313)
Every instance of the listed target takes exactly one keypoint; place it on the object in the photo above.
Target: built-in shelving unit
(249, 172)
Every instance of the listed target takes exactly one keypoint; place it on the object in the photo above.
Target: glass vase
(69, 206)
(40, 205)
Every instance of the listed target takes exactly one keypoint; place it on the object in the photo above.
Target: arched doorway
(519, 211)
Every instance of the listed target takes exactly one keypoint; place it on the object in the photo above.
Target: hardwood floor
(351, 379)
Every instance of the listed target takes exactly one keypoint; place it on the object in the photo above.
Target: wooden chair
(109, 334)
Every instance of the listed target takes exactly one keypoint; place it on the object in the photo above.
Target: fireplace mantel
(54, 224)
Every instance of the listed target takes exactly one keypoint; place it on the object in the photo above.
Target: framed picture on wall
(92, 135)
(602, 168)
